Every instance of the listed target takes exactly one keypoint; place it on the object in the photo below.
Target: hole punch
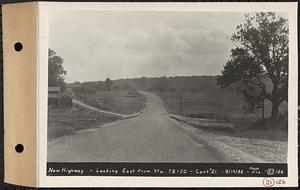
(19, 148)
(18, 46)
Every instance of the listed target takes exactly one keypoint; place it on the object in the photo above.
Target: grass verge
(67, 121)
(115, 100)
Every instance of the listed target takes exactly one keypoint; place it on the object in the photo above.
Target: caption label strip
(167, 169)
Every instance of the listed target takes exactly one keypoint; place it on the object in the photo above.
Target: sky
(128, 44)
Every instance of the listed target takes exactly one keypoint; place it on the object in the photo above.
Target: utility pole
(180, 107)
(263, 109)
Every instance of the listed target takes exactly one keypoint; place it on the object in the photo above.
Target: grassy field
(226, 106)
(67, 121)
(214, 104)
(197, 104)
(115, 100)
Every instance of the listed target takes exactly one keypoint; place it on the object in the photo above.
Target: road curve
(150, 137)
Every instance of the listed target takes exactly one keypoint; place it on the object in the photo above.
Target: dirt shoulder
(238, 149)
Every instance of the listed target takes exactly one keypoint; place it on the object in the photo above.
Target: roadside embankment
(121, 116)
(68, 121)
(203, 123)
(237, 149)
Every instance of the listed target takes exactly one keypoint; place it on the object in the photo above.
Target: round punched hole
(18, 46)
(19, 148)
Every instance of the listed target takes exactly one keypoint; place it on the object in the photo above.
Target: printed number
(268, 182)
(183, 171)
(172, 171)
(280, 181)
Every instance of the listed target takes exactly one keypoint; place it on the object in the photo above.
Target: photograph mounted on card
(163, 95)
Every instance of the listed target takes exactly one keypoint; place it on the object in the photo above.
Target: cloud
(97, 45)
(190, 40)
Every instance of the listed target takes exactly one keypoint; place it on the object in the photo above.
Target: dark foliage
(261, 56)
(56, 71)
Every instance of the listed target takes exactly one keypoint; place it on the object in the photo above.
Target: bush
(263, 124)
(133, 92)
(283, 121)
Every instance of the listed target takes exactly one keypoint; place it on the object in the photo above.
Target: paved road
(150, 137)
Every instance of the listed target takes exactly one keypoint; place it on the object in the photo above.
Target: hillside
(181, 83)
(200, 95)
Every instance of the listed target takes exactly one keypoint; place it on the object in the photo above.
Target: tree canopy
(260, 57)
(56, 71)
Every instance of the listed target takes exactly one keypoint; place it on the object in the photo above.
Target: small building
(58, 99)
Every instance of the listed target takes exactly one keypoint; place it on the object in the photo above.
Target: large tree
(259, 62)
(56, 71)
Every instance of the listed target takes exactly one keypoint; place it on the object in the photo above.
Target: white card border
(107, 181)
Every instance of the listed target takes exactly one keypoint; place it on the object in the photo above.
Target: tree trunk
(274, 113)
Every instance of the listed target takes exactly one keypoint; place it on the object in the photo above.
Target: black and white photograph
(168, 87)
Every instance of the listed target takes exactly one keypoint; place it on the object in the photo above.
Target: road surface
(150, 137)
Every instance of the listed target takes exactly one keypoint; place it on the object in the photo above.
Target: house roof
(55, 88)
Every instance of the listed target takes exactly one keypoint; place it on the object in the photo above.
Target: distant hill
(189, 84)
(178, 83)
